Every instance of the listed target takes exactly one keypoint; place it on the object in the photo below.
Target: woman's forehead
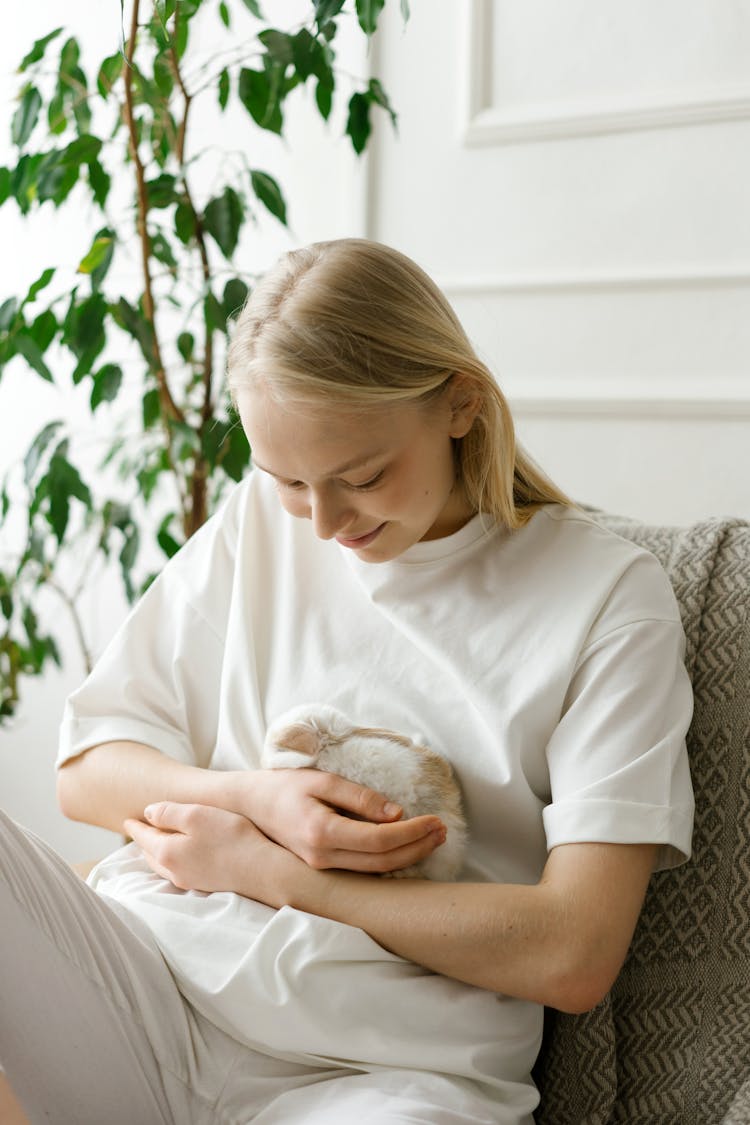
(289, 437)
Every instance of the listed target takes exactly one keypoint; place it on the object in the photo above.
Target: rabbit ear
(299, 737)
(292, 747)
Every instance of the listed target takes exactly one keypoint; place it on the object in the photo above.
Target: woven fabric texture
(670, 1045)
(739, 1111)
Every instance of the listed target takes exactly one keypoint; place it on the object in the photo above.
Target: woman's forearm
(560, 942)
(118, 780)
(492, 936)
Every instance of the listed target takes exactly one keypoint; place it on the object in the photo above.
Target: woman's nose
(329, 515)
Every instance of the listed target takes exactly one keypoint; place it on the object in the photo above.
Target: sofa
(670, 1044)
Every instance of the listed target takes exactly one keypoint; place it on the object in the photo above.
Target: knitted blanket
(670, 1045)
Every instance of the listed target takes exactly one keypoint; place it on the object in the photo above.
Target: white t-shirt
(545, 663)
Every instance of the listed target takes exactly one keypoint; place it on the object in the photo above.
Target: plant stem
(77, 624)
(198, 511)
(169, 407)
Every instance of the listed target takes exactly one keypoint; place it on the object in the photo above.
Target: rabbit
(403, 769)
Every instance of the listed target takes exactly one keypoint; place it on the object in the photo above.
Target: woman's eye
(295, 485)
(366, 484)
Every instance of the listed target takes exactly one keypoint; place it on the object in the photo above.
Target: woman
(395, 554)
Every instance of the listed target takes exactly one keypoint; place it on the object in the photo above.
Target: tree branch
(198, 512)
(208, 352)
(169, 407)
(77, 623)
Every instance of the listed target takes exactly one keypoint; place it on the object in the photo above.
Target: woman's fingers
(378, 864)
(340, 834)
(357, 800)
(358, 846)
(196, 847)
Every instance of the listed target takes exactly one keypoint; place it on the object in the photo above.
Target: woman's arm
(559, 942)
(297, 808)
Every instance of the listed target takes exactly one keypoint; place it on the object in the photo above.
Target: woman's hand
(202, 848)
(330, 822)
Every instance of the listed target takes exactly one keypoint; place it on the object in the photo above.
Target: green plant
(162, 343)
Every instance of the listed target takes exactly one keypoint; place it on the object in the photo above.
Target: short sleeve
(159, 680)
(617, 760)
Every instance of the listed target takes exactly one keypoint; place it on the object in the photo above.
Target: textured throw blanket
(670, 1045)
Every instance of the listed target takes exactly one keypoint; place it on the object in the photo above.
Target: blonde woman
(396, 554)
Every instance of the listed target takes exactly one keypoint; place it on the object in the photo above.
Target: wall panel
(574, 176)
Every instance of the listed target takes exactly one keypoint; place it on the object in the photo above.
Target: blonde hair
(357, 324)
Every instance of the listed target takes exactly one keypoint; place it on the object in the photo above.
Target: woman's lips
(362, 540)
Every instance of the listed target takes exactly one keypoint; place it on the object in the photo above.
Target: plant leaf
(55, 177)
(268, 192)
(223, 88)
(223, 218)
(43, 329)
(109, 72)
(83, 331)
(214, 313)
(254, 7)
(237, 456)
(162, 191)
(101, 248)
(278, 45)
(235, 295)
(324, 97)
(161, 250)
(37, 51)
(184, 222)
(128, 556)
(37, 448)
(260, 96)
(326, 10)
(150, 408)
(367, 14)
(167, 542)
(41, 283)
(358, 123)
(107, 383)
(378, 95)
(100, 182)
(63, 483)
(8, 311)
(32, 353)
(82, 150)
(306, 52)
(135, 324)
(26, 116)
(186, 345)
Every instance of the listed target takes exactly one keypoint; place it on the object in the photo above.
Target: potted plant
(128, 125)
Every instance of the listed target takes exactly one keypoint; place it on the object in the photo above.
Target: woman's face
(376, 481)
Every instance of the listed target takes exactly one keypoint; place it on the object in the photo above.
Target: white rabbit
(407, 772)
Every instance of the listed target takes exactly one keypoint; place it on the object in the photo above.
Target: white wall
(575, 175)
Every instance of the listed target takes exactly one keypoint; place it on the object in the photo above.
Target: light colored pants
(94, 1031)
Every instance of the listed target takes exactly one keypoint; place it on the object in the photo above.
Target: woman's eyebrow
(353, 464)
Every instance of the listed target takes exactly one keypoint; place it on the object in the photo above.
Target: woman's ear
(465, 403)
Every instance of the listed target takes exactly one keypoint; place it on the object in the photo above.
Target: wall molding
(486, 124)
(585, 281)
(629, 407)
(659, 397)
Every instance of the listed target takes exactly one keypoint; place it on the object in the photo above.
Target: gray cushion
(670, 1045)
